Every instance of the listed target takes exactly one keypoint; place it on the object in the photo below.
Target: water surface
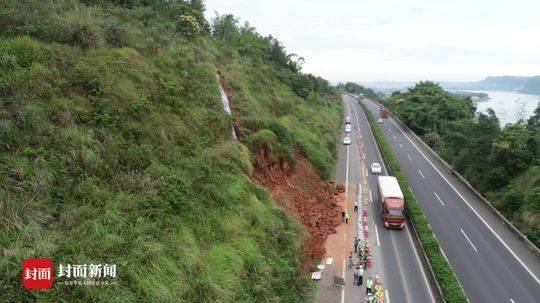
(509, 106)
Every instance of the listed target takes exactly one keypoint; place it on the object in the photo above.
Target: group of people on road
(359, 268)
(361, 251)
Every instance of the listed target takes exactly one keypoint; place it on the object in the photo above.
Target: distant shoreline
(475, 96)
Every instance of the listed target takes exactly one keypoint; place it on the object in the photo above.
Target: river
(508, 106)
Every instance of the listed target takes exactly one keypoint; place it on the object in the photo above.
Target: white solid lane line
(370, 197)
(346, 193)
(343, 287)
(409, 156)
(387, 296)
(347, 174)
(444, 255)
(377, 235)
(470, 242)
(469, 205)
(420, 264)
(512, 300)
(421, 174)
(439, 199)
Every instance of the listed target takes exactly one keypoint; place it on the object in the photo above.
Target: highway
(491, 263)
(396, 259)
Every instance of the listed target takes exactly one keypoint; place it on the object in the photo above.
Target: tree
(511, 149)
(534, 120)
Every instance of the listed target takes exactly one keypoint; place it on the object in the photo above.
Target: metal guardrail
(490, 206)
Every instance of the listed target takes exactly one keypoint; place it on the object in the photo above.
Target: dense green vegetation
(357, 89)
(448, 282)
(114, 148)
(502, 163)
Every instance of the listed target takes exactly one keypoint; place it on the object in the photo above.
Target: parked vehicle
(392, 201)
(348, 128)
(347, 141)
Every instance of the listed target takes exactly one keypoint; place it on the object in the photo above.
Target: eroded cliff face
(299, 190)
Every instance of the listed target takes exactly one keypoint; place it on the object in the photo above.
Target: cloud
(400, 40)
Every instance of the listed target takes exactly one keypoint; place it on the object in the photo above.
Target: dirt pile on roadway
(302, 192)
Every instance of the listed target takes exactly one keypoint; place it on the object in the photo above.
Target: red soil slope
(302, 192)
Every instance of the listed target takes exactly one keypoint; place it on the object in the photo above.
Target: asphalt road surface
(491, 263)
(396, 259)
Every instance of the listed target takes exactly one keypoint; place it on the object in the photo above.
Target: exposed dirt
(302, 192)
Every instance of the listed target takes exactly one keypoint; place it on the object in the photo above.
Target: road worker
(360, 275)
(369, 286)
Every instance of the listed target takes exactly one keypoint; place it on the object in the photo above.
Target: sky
(400, 40)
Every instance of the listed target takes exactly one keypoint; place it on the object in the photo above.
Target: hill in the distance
(525, 85)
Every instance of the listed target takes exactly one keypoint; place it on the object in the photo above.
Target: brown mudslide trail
(302, 192)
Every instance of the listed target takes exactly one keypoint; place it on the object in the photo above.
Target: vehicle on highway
(348, 120)
(348, 128)
(383, 111)
(347, 141)
(392, 201)
(380, 121)
(376, 168)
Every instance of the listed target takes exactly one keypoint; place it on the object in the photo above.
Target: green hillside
(114, 148)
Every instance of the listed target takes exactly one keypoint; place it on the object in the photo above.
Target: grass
(114, 148)
(452, 291)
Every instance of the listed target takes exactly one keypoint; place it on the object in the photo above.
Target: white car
(348, 128)
(376, 168)
(380, 120)
(347, 141)
(348, 120)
